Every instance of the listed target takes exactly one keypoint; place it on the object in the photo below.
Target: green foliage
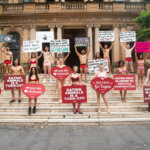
(143, 21)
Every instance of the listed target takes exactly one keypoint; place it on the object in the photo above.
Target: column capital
(51, 26)
(32, 26)
(123, 25)
(116, 25)
(97, 25)
(25, 26)
(89, 25)
(59, 26)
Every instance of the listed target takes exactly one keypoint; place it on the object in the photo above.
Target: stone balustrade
(1, 71)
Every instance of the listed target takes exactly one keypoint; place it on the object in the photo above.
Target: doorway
(71, 34)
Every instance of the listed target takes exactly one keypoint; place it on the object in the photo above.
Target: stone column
(116, 48)
(33, 33)
(97, 49)
(123, 29)
(90, 35)
(1, 53)
(59, 31)
(52, 29)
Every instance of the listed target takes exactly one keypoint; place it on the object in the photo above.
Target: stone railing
(13, 8)
(42, 7)
(78, 6)
(106, 6)
(1, 71)
(135, 6)
(3, 1)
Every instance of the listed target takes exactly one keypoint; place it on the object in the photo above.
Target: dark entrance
(71, 34)
(15, 45)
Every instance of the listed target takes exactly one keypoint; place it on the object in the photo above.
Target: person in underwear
(83, 61)
(75, 79)
(128, 56)
(8, 58)
(33, 79)
(106, 52)
(121, 70)
(101, 74)
(140, 70)
(16, 69)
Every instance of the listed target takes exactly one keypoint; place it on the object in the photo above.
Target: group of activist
(74, 91)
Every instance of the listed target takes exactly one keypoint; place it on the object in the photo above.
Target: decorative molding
(97, 25)
(59, 26)
(51, 26)
(89, 25)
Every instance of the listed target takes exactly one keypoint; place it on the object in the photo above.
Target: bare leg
(13, 94)
(49, 71)
(19, 91)
(98, 101)
(79, 104)
(106, 102)
(81, 71)
(74, 108)
(121, 95)
(126, 64)
(131, 66)
(59, 89)
(35, 102)
(85, 72)
(142, 75)
(9, 68)
(139, 78)
(109, 66)
(5, 69)
(125, 93)
(45, 72)
(29, 102)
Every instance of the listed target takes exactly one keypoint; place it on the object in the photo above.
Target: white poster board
(59, 46)
(31, 46)
(93, 65)
(106, 36)
(128, 36)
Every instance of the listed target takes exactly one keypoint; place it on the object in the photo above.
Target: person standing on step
(75, 78)
(140, 70)
(46, 63)
(122, 70)
(101, 74)
(16, 69)
(34, 59)
(106, 52)
(128, 56)
(83, 61)
(33, 79)
(8, 58)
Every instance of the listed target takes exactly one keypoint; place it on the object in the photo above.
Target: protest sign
(1, 38)
(31, 46)
(146, 92)
(124, 82)
(82, 41)
(74, 94)
(33, 90)
(5, 38)
(59, 46)
(142, 47)
(128, 36)
(14, 81)
(93, 65)
(102, 85)
(106, 36)
(61, 73)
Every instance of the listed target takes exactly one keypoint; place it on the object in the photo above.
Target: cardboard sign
(59, 46)
(61, 73)
(142, 47)
(14, 81)
(93, 65)
(102, 85)
(146, 92)
(33, 90)
(128, 36)
(124, 82)
(31, 46)
(74, 94)
(82, 41)
(1, 38)
(6, 38)
(106, 36)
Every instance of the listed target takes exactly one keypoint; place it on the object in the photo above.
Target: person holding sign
(8, 58)
(122, 71)
(34, 59)
(75, 78)
(33, 78)
(46, 63)
(128, 56)
(16, 69)
(106, 52)
(83, 61)
(101, 74)
(140, 70)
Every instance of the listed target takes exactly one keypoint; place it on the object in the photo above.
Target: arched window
(15, 44)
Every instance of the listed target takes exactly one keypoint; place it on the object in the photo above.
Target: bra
(123, 70)
(101, 75)
(33, 79)
(33, 62)
(140, 62)
(75, 79)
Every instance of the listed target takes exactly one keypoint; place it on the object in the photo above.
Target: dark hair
(101, 65)
(96, 55)
(15, 60)
(139, 56)
(59, 55)
(31, 73)
(46, 46)
(121, 61)
(73, 68)
(32, 53)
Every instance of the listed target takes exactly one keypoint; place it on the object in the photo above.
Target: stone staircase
(50, 112)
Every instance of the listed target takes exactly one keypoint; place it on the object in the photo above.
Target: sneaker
(12, 101)
(44, 81)
(19, 101)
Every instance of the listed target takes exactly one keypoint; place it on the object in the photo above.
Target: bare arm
(76, 51)
(147, 78)
(40, 55)
(53, 57)
(66, 56)
(11, 58)
(146, 56)
(124, 48)
(101, 46)
(133, 47)
(79, 79)
(89, 48)
(95, 75)
(22, 70)
(110, 48)
(136, 58)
